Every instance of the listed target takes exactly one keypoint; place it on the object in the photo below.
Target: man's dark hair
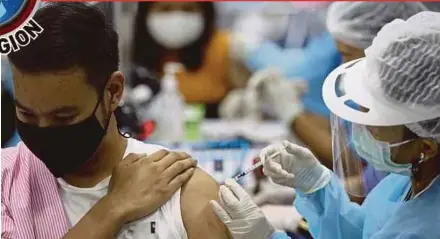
(75, 34)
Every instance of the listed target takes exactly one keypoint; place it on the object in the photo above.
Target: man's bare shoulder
(197, 214)
(201, 184)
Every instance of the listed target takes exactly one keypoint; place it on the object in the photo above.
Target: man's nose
(43, 122)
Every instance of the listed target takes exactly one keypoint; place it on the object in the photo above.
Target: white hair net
(404, 63)
(357, 23)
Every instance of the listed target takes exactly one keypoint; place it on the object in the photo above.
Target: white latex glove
(232, 105)
(282, 217)
(268, 74)
(240, 214)
(295, 167)
(271, 193)
(239, 104)
(283, 96)
(252, 105)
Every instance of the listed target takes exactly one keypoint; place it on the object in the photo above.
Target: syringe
(255, 166)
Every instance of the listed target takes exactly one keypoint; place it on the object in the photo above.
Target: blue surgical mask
(377, 153)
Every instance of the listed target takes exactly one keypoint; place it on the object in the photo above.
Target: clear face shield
(363, 155)
(369, 130)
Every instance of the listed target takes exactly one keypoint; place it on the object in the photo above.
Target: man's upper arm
(7, 223)
(8, 159)
(198, 217)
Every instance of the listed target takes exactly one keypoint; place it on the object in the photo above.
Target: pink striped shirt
(31, 204)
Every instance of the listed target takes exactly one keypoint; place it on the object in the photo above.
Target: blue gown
(383, 215)
(313, 63)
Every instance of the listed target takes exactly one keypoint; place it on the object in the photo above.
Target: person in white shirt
(67, 87)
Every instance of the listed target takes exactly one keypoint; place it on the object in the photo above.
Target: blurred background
(222, 80)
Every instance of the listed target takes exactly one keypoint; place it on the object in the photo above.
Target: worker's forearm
(316, 136)
(102, 221)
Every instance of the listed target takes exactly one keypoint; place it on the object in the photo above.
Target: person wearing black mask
(67, 87)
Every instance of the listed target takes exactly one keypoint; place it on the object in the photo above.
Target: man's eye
(26, 114)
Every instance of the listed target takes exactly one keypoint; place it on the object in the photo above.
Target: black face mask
(64, 149)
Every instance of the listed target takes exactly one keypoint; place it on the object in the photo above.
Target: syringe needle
(247, 171)
(255, 166)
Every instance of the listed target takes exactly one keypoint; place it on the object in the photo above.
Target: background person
(347, 22)
(185, 32)
(353, 28)
(399, 132)
(291, 40)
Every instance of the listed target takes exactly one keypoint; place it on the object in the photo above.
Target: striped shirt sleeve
(8, 156)
(7, 223)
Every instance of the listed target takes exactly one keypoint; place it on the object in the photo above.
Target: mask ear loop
(422, 159)
(123, 134)
(415, 167)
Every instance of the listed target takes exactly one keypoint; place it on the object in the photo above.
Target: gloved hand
(265, 87)
(240, 214)
(272, 193)
(239, 104)
(282, 217)
(231, 106)
(294, 166)
(282, 95)
(245, 103)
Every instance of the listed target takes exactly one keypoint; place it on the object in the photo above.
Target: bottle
(194, 115)
(170, 115)
(140, 97)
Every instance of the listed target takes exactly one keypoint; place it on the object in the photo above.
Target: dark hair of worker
(148, 53)
(75, 34)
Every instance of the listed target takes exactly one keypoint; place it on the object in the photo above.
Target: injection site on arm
(198, 217)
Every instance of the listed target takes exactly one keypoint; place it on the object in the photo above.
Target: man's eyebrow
(64, 110)
(20, 105)
(59, 110)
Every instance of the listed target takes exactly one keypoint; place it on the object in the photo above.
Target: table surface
(235, 160)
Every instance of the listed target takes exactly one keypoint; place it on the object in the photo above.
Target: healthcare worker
(354, 26)
(282, 43)
(395, 127)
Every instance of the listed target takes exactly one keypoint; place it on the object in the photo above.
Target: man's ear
(116, 89)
